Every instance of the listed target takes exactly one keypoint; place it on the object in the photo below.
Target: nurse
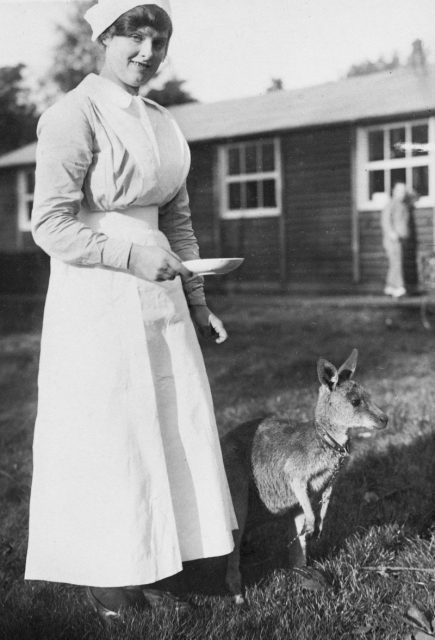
(128, 478)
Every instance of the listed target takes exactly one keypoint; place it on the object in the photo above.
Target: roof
(19, 157)
(356, 100)
(390, 94)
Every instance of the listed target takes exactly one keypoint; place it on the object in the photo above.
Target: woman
(128, 477)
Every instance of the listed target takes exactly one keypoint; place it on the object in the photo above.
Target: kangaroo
(291, 462)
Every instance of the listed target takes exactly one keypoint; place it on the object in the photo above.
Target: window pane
(30, 182)
(235, 195)
(269, 196)
(397, 175)
(396, 137)
(251, 158)
(252, 195)
(420, 180)
(376, 183)
(234, 161)
(267, 159)
(376, 145)
(420, 135)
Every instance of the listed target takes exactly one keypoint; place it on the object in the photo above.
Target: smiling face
(132, 60)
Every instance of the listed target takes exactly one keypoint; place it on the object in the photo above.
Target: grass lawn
(380, 526)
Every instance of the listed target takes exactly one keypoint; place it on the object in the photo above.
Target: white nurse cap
(101, 15)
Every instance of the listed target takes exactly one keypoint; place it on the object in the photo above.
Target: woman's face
(133, 60)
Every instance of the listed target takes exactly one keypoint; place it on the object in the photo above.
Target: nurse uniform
(128, 475)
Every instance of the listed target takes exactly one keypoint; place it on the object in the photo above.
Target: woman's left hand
(209, 325)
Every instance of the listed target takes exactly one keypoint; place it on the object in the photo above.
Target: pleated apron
(128, 475)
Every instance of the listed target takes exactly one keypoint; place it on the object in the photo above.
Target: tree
(18, 115)
(417, 60)
(171, 93)
(368, 66)
(75, 55)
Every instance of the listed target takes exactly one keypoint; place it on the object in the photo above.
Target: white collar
(103, 89)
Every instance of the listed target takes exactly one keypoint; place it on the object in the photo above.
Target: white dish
(213, 266)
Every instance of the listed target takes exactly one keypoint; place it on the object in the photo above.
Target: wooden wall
(317, 223)
(24, 267)
(203, 203)
(317, 208)
(373, 263)
(256, 239)
(8, 211)
(316, 211)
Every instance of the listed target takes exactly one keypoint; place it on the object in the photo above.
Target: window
(251, 179)
(26, 188)
(389, 154)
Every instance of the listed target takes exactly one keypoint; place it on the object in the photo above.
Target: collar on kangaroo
(332, 443)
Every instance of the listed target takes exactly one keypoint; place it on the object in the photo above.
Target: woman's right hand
(155, 264)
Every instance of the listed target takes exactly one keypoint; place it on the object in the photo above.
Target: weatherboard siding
(23, 266)
(256, 239)
(8, 211)
(317, 207)
(203, 204)
(373, 262)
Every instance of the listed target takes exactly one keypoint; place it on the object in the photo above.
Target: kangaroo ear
(327, 373)
(347, 369)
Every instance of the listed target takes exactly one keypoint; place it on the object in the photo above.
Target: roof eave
(365, 121)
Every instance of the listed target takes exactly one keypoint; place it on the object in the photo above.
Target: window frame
(408, 162)
(23, 198)
(225, 212)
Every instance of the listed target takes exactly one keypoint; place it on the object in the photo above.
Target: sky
(226, 49)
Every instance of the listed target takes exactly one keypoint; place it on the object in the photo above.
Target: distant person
(395, 222)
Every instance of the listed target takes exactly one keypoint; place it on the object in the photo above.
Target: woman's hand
(208, 324)
(155, 264)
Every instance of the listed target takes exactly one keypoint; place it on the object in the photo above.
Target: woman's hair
(141, 16)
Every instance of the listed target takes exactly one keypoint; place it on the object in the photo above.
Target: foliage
(379, 529)
(17, 114)
(368, 66)
(170, 94)
(75, 55)
(417, 60)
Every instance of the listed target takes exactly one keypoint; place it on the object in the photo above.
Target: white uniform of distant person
(128, 477)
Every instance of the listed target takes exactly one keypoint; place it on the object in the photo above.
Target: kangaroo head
(344, 404)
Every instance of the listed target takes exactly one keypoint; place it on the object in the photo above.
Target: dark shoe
(110, 603)
(107, 616)
(157, 599)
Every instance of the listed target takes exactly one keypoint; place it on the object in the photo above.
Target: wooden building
(292, 180)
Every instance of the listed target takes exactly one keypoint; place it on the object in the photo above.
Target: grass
(382, 510)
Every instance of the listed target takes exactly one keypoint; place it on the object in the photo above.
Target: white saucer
(213, 266)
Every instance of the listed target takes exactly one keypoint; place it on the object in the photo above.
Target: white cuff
(116, 253)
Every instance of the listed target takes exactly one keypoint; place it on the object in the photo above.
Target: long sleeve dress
(128, 477)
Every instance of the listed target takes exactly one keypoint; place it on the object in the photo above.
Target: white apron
(128, 477)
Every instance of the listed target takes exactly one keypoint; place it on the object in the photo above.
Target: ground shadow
(395, 487)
